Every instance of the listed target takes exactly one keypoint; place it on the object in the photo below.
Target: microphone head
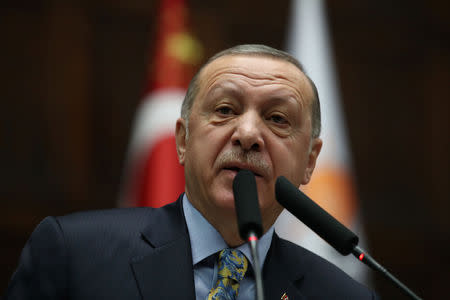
(246, 203)
(313, 216)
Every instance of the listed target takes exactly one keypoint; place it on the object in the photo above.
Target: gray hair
(254, 50)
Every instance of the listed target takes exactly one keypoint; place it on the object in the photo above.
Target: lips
(236, 167)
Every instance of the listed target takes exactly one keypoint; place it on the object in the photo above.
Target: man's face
(250, 113)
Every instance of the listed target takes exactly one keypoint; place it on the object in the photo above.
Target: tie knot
(232, 264)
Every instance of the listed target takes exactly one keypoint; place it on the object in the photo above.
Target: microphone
(313, 216)
(247, 207)
(249, 219)
(327, 227)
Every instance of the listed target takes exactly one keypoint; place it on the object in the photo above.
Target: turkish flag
(153, 175)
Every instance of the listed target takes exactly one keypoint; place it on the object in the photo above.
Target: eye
(224, 110)
(278, 119)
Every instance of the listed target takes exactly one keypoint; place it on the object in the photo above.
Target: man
(249, 107)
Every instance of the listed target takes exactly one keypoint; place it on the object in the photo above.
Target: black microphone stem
(249, 220)
(253, 242)
(371, 262)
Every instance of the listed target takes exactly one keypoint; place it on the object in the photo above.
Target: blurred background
(73, 73)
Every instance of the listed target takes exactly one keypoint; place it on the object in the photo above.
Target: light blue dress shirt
(206, 242)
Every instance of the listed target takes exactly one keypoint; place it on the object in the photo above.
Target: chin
(224, 199)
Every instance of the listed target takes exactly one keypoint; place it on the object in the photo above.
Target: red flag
(153, 176)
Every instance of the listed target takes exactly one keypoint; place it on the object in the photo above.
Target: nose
(248, 132)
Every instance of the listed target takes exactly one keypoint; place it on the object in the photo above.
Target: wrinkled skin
(251, 112)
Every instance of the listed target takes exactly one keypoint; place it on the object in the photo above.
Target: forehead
(256, 71)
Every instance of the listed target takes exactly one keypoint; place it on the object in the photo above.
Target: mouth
(237, 169)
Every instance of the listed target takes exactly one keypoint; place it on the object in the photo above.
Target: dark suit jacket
(145, 253)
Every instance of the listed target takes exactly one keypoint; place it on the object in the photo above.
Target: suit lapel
(166, 272)
(282, 272)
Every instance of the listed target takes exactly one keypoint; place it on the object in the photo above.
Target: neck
(225, 221)
(226, 225)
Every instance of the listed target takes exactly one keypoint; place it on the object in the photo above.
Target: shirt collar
(206, 240)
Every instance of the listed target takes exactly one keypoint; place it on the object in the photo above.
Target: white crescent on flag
(152, 149)
(153, 175)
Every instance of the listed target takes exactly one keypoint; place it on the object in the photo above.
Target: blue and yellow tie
(232, 267)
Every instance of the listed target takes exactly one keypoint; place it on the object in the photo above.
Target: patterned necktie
(232, 267)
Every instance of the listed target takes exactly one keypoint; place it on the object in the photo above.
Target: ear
(180, 139)
(316, 146)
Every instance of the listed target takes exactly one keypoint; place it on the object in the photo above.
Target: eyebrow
(228, 88)
(232, 89)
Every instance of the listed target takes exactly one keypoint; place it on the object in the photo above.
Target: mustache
(250, 158)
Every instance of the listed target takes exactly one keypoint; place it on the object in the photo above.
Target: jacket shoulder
(103, 221)
(84, 254)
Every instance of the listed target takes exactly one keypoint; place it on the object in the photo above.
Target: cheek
(290, 161)
(196, 156)
(203, 148)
